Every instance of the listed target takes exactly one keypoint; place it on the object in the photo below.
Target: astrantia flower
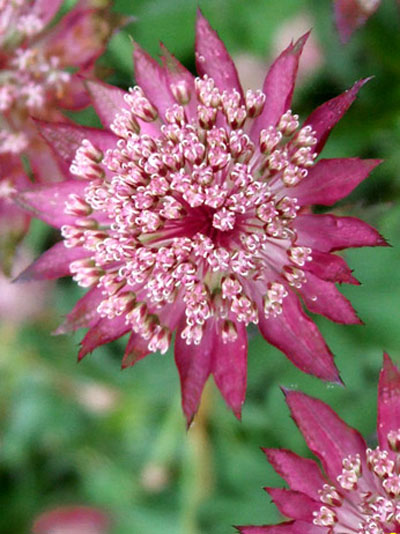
(190, 214)
(38, 67)
(359, 493)
(72, 520)
(36, 60)
(351, 14)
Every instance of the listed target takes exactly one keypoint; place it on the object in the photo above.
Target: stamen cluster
(187, 212)
(366, 499)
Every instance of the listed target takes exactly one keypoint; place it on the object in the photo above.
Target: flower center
(192, 211)
(366, 499)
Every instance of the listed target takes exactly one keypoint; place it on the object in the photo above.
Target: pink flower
(360, 490)
(190, 213)
(72, 520)
(36, 59)
(351, 14)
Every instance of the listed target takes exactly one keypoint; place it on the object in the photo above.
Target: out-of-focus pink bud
(72, 520)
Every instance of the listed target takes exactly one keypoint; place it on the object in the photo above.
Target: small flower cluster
(361, 492)
(31, 78)
(39, 67)
(36, 76)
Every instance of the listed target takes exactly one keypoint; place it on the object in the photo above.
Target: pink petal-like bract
(193, 207)
(360, 490)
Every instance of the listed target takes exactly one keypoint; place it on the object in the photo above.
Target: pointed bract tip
(298, 46)
(60, 330)
(303, 38)
(388, 362)
(333, 378)
(189, 421)
(360, 83)
(367, 79)
(81, 354)
(389, 372)
(339, 381)
(286, 391)
(353, 90)
(382, 242)
(238, 414)
(24, 276)
(351, 280)
(372, 163)
(202, 20)
(357, 320)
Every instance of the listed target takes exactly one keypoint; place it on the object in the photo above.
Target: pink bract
(359, 490)
(351, 14)
(190, 213)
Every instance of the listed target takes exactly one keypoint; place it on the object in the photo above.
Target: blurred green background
(91, 434)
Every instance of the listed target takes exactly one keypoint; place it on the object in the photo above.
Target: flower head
(36, 63)
(39, 64)
(359, 493)
(351, 14)
(190, 213)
